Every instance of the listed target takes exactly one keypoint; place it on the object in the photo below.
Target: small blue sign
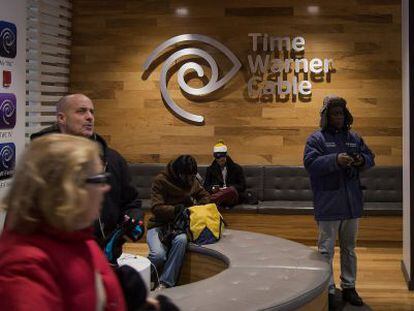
(8, 39)
(8, 108)
(7, 160)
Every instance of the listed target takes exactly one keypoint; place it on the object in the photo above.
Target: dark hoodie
(235, 176)
(337, 192)
(121, 199)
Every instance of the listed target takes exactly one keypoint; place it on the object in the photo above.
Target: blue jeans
(169, 260)
(347, 231)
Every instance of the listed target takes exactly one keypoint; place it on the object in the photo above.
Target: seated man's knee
(158, 257)
(180, 239)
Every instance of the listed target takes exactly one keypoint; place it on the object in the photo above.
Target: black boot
(331, 302)
(350, 295)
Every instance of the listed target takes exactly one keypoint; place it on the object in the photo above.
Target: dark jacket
(167, 194)
(235, 176)
(337, 191)
(121, 199)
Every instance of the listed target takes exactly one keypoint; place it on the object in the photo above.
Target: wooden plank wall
(112, 39)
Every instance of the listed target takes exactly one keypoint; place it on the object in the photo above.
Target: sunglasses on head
(102, 178)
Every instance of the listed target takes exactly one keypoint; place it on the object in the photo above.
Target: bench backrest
(382, 184)
(285, 183)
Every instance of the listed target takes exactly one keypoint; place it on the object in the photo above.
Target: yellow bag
(206, 224)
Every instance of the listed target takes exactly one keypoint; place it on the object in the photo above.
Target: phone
(353, 155)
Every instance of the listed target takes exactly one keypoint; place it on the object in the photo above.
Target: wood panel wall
(112, 39)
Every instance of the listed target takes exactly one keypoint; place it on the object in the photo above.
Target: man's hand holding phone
(215, 188)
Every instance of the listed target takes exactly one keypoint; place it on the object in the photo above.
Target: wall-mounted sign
(273, 58)
(213, 85)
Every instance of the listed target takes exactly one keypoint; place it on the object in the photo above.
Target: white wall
(406, 136)
(14, 12)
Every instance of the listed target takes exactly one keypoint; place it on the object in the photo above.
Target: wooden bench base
(385, 231)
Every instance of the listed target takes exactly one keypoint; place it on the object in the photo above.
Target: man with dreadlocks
(334, 157)
(173, 190)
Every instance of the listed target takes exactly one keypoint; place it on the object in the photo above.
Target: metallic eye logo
(7, 160)
(213, 85)
(8, 36)
(7, 111)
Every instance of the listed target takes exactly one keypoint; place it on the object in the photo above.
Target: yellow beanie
(220, 147)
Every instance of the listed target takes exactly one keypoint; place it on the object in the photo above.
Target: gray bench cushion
(245, 208)
(383, 208)
(285, 207)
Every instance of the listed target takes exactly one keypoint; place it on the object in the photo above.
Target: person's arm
(200, 194)
(316, 162)
(367, 155)
(27, 285)
(207, 181)
(160, 208)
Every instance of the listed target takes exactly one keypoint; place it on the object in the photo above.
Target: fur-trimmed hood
(333, 100)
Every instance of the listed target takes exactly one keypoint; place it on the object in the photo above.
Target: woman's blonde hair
(48, 185)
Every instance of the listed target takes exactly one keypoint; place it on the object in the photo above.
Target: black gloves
(134, 224)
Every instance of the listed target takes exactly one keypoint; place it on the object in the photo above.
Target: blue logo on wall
(8, 39)
(7, 111)
(7, 160)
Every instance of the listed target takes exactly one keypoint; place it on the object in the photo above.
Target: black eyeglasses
(102, 178)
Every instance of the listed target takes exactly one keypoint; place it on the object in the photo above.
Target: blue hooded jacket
(337, 191)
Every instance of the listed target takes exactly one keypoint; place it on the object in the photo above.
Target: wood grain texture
(372, 231)
(197, 267)
(111, 40)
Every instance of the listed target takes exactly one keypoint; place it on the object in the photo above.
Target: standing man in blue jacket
(334, 156)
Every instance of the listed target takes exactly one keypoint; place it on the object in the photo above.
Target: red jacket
(53, 270)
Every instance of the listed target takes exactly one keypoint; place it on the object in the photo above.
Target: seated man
(173, 190)
(224, 178)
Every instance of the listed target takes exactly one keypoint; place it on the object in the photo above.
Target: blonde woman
(48, 257)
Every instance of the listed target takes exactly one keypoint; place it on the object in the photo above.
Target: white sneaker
(160, 287)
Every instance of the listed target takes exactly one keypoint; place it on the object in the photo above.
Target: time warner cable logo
(215, 82)
(7, 160)
(7, 111)
(8, 39)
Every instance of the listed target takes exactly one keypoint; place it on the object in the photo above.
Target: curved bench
(263, 273)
